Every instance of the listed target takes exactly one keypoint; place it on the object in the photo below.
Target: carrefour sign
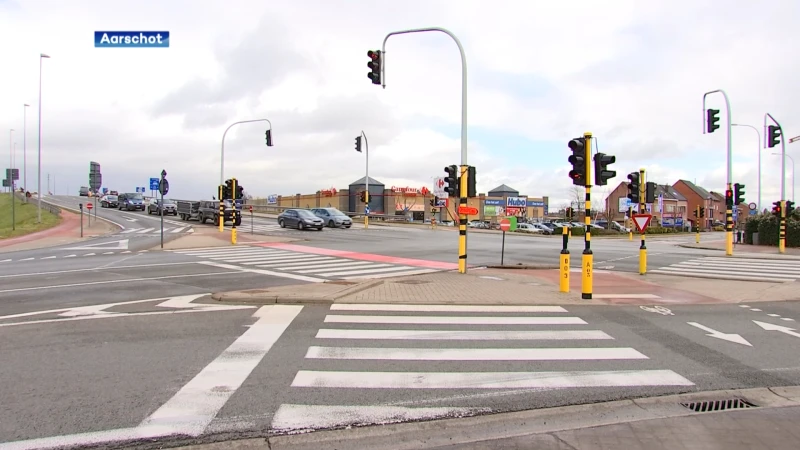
(517, 202)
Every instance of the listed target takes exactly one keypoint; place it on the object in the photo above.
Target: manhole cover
(411, 282)
(718, 405)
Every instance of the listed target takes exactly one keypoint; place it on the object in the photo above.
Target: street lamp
(222, 153)
(39, 188)
(10, 158)
(759, 158)
(25, 146)
(792, 159)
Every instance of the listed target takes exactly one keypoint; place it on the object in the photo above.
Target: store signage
(410, 190)
(517, 202)
(328, 192)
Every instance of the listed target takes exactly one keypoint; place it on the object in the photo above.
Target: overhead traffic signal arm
(374, 64)
(578, 161)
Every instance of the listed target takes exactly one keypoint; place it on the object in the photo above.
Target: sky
(539, 73)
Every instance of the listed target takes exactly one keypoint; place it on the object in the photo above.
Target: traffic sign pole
(80, 206)
(505, 225)
(587, 259)
(462, 221)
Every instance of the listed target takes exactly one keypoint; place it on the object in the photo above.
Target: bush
(766, 225)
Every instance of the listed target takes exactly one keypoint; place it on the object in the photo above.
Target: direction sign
(467, 210)
(505, 224)
(641, 221)
(438, 188)
(153, 184)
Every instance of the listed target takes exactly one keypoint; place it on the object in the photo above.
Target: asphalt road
(141, 371)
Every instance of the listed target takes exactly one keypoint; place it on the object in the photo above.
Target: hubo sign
(516, 202)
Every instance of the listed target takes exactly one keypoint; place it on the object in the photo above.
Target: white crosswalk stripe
(157, 230)
(727, 268)
(261, 228)
(455, 348)
(308, 264)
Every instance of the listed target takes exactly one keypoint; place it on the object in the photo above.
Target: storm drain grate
(718, 405)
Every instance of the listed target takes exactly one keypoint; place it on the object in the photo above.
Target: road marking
(121, 244)
(26, 259)
(458, 335)
(474, 354)
(440, 320)
(447, 308)
(5, 260)
(89, 254)
(314, 417)
(93, 269)
(730, 337)
(262, 272)
(48, 257)
(129, 280)
(194, 407)
(487, 380)
(781, 328)
(118, 315)
(631, 296)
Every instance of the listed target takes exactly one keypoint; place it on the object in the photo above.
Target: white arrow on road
(782, 329)
(730, 337)
(129, 219)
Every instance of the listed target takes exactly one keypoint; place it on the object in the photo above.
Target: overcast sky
(631, 72)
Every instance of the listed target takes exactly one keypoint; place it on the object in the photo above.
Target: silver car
(333, 218)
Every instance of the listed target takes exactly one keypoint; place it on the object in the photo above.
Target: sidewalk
(205, 237)
(68, 231)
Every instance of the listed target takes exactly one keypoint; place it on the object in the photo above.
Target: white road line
(487, 380)
(6, 260)
(129, 280)
(278, 259)
(462, 335)
(314, 417)
(129, 230)
(474, 354)
(118, 315)
(94, 269)
(89, 254)
(201, 249)
(70, 256)
(239, 258)
(445, 320)
(108, 253)
(26, 259)
(322, 262)
(146, 230)
(447, 308)
(198, 402)
(49, 257)
(263, 272)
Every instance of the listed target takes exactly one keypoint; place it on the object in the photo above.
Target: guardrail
(46, 206)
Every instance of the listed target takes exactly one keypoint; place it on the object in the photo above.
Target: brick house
(675, 206)
(695, 197)
(612, 202)
(718, 204)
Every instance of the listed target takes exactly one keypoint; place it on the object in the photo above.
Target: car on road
(333, 218)
(300, 219)
(84, 191)
(109, 201)
(169, 207)
(131, 201)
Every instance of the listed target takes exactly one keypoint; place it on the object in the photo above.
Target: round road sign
(88, 205)
(752, 206)
(505, 224)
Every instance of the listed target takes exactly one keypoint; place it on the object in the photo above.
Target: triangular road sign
(642, 221)
(109, 245)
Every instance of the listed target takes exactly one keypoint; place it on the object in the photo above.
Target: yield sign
(641, 221)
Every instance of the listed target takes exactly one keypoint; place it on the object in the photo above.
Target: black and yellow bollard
(587, 258)
(564, 261)
(233, 212)
(642, 210)
(221, 208)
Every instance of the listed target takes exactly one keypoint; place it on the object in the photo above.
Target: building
(670, 209)
(696, 197)
(414, 203)
(718, 207)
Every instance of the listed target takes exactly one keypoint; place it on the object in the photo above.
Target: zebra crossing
(743, 269)
(307, 264)
(422, 357)
(261, 228)
(155, 231)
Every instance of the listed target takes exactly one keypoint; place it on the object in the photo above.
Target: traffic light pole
(728, 211)
(642, 210)
(697, 224)
(759, 160)
(782, 228)
(587, 257)
(783, 152)
(221, 208)
(233, 213)
(463, 181)
(366, 181)
(462, 218)
(222, 155)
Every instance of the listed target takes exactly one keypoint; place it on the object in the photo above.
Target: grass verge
(25, 215)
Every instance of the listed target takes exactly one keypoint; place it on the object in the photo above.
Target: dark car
(300, 219)
(109, 201)
(169, 208)
(131, 202)
(333, 218)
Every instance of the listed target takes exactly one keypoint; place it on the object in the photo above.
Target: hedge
(578, 231)
(766, 225)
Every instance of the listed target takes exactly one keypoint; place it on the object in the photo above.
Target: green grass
(26, 215)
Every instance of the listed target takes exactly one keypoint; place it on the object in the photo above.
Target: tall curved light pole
(758, 133)
(729, 185)
(39, 176)
(793, 179)
(25, 147)
(222, 155)
(10, 159)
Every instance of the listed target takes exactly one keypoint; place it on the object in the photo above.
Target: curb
(268, 298)
(487, 427)
(77, 211)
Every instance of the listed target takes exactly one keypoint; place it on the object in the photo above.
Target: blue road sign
(153, 184)
(272, 199)
(142, 188)
(137, 189)
(366, 209)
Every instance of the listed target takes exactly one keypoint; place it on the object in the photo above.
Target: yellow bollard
(233, 236)
(697, 237)
(564, 283)
(630, 235)
(642, 258)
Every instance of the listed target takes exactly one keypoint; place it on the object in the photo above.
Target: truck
(204, 210)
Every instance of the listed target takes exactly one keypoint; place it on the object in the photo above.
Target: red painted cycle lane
(362, 256)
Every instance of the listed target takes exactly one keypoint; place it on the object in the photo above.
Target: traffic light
(702, 212)
(269, 138)
(568, 213)
(712, 117)
(451, 181)
(776, 209)
(729, 198)
(650, 192)
(578, 161)
(601, 172)
(239, 191)
(375, 65)
(738, 192)
(358, 144)
(697, 212)
(789, 208)
(471, 185)
(363, 196)
(434, 201)
(773, 136)
(633, 187)
(227, 191)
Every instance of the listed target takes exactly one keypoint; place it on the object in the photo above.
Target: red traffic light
(374, 55)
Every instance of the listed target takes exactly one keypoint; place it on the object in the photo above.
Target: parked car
(169, 208)
(333, 218)
(300, 219)
(131, 202)
(109, 201)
